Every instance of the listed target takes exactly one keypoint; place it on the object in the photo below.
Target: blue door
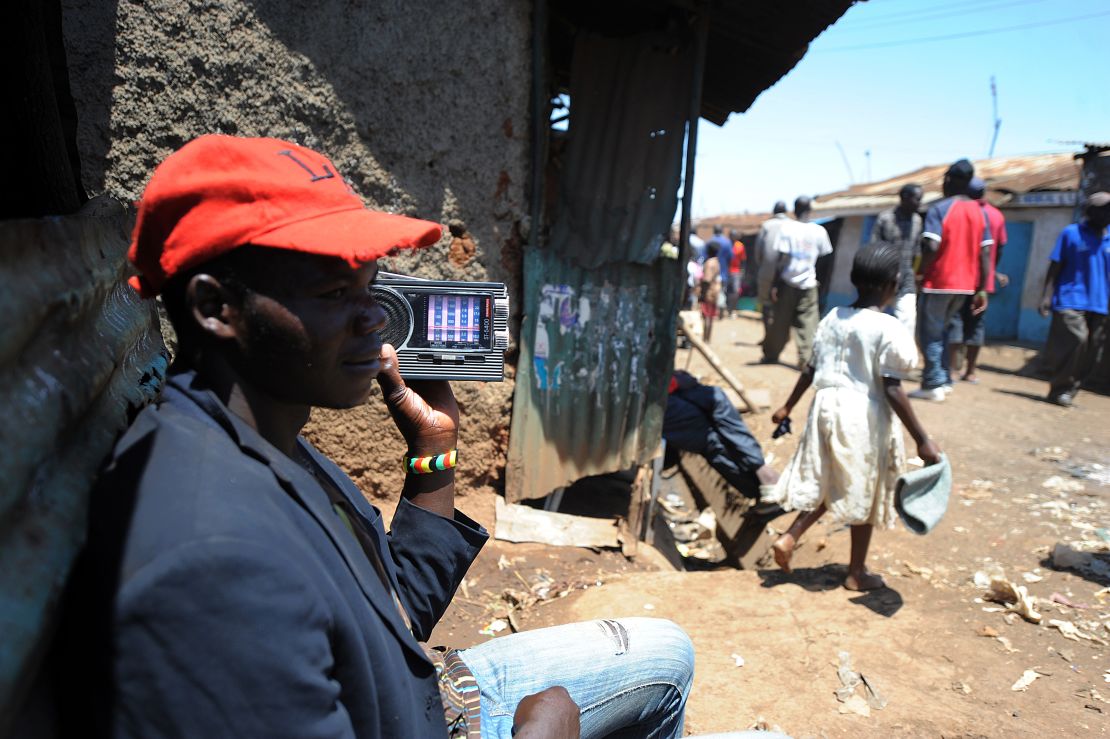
(1004, 310)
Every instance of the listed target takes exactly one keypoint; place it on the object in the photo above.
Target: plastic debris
(1015, 597)
(737, 659)
(1073, 559)
(1071, 631)
(649, 607)
(494, 626)
(1006, 644)
(1026, 680)
(857, 705)
(1031, 577)
(849, 681)
(1064, 601)
(1062, 485)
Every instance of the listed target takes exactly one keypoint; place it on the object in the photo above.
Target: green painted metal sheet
(597, 351)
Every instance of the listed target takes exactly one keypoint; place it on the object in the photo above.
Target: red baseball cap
(218, 193)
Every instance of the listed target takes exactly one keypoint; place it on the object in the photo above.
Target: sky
(871, 83)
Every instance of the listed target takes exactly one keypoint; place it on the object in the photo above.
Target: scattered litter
(513, 623)
(1006, 644)
(1052, 453)
(761, 724)
(857, 705)
(1073, 559)
(1026, 680)
(673, 503)
(1067, 628)
(959, 529)
(737, 659)
(503, 563)
(963, 688)
(924, 572)
(1062, 600)
(1031, 577)
(978, 490)
(849, 681)
(494, 626)
(649, 607)
(986, 631)
(1071, 631)
(1094, 472)
(1059, 484)
(1015, 597)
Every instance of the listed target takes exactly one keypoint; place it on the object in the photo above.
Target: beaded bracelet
(427, 465)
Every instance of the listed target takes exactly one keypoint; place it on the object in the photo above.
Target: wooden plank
(518, 523)
(692, 334)
(743, 535)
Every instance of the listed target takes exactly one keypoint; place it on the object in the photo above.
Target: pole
(701, 45)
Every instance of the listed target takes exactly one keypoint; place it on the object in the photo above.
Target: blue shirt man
(1077, 291)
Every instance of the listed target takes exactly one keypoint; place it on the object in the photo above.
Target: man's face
(911, 200)
(1099, 216)
(309, 330)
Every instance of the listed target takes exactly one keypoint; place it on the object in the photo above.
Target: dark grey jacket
(230, 600)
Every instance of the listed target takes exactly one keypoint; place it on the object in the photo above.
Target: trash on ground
(1026, 680)
(855, 704)
(963, 688)
(1090, 563)
(494, 626)
(1064, 601)
(737, 659)
(849, 681)
(1015, 597)
(986, 631)
(1006, 644)
(1071, 631)
(1059, 484)
(1052, 453)
(1031, 577)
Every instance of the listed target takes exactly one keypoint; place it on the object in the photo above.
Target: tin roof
(751, 45)
(1006, 177)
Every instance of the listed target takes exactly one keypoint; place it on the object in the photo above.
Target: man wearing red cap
(235, 581)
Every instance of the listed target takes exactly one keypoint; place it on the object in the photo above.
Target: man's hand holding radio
(427, 416)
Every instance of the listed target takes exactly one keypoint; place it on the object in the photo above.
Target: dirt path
(921, 641)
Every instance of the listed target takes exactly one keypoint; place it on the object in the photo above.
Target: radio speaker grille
(398, 321)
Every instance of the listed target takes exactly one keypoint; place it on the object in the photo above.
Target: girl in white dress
(851, 451)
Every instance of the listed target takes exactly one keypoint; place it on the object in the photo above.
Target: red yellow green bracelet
(427, 465)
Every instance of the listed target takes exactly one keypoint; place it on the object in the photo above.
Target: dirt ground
(1027, 476)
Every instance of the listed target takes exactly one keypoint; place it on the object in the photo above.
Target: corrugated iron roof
(752, 45)
(1006, 177)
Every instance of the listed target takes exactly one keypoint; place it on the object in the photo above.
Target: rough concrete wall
(422, 105)
(78, 353)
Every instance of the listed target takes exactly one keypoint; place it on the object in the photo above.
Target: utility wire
(935, 14)
(984, 32)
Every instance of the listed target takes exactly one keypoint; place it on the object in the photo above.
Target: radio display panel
(451, 321)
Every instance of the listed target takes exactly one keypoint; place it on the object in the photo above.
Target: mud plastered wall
(422, 105)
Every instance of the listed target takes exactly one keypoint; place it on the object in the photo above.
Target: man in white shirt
(767, 262)
(794, 293)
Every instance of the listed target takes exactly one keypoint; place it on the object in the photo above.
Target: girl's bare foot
(863, 581)
(782, 549)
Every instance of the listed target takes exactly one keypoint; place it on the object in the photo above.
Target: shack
(1037, 195)
(445, 111)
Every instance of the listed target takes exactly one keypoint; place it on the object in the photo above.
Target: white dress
(851, 451)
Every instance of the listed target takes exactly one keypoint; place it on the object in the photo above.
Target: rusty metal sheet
(597, 351)
(86, 352)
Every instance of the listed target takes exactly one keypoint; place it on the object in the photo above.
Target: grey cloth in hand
(921, 496)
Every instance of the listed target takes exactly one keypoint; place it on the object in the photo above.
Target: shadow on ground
(885, 601)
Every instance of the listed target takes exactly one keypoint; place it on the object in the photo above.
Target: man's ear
(212, 307)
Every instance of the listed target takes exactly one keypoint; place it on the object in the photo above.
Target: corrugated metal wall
(78, 351)
(598, 330)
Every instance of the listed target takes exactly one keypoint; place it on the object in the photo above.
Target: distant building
(1038, 196)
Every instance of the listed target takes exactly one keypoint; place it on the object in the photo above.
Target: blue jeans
(935, 311)
(630, 677)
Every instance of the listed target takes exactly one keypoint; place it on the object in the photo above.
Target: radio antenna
(847, 165)
(997, 120)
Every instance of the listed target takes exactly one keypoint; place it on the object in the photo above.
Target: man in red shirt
(955, 264)
(736, 270)
(969, 329)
